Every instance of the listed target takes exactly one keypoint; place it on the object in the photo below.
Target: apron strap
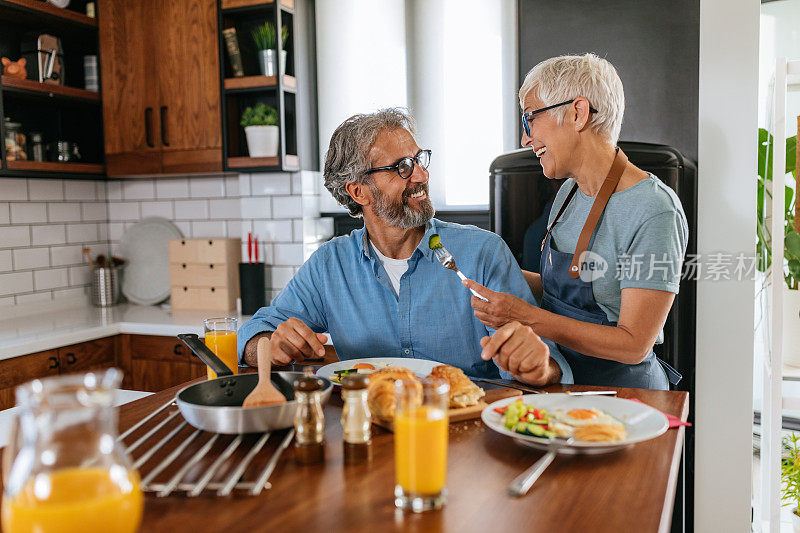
(560, 212)
(599, 205)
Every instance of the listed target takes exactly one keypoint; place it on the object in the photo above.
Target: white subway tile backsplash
(50, 279)
(44, 235)
(278, 277)
(81, 233)
(287, 207)
(207, 187)
(273, 230)
(244, 185)
(114, 190)
(5, 261)
(297, 183)
(234, 229)
(14, 236)
(5, 217)
(123, 211)
(65, 212)
(27, 258)
(81, 190)
(73, 292)
(191, 210)
(100, 190)
(288, 254)
(266, 184)
(231, 186)
(227, 208)
(185, 227)
(46, 189)
(208, 229)
(7, 301)
(28, 213)
(246, 227)
(310, 206)
(13, 189)
(297, 230)
(256, 208)
(34, 297)
(172, 188)
(79, 275)
(158, 209)
(138, 189)
(94, 211)
(66, 255)
(115, 230)
(16, 283)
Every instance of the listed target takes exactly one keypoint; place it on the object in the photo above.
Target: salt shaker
(356, 419)
(309, 420)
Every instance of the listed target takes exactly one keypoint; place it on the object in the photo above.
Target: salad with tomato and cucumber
(527, 420)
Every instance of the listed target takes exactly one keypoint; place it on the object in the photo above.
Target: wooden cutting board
(464, 413)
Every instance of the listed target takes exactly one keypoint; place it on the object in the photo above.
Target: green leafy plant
(284, 36)
(791, 237)
(259, 115)
(264, 36)
(790, 470)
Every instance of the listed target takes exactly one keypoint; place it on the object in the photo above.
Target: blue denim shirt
(343, 290)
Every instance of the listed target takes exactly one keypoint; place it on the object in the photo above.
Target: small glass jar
(37, 147)
(15, 141)
(309, 420)
(356, 418)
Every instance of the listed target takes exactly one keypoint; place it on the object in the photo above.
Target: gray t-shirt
(641, 236)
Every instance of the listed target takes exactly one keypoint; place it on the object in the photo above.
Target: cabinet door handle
(71, 359)
(177, 350)
(164, 140)
(148, 123)
(53, 362)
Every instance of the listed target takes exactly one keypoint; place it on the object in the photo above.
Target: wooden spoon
(265, 392)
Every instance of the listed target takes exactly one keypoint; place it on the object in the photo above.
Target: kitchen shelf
(27, 11)
(244, 4)
(48, 89)
(292, 161)
(51, 166)
(249, 83)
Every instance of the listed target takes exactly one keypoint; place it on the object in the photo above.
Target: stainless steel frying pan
(216, 405)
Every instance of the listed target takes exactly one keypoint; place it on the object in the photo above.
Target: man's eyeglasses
(527, 117)
(405, 167)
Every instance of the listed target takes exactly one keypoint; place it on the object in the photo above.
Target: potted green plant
(284, 39)
(791, 240)
(790, 476)
(260, 124)
(264, 36)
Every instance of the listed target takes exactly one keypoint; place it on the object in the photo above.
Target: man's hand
(501, 308)
(292, 340)
(517, 349)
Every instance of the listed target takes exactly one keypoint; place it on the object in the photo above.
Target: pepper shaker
(309, 420)
(356, 419)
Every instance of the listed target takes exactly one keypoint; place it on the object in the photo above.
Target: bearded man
(380, 292)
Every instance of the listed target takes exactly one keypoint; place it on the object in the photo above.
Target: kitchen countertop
(26, 329)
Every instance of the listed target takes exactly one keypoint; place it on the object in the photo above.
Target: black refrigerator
(520, 201)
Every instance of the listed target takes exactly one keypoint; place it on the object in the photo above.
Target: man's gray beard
(400, 214)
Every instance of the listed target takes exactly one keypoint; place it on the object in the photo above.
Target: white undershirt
(395, 268)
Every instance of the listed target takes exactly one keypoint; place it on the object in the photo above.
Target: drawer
(210, 298)
(218, 251)
(183, 250)
(200, 274)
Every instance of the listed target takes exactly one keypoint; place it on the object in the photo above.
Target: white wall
(726, 222)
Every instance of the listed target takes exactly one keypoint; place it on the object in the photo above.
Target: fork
(448, 261)
(522, 483)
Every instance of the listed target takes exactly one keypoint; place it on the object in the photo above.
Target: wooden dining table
(630, 490)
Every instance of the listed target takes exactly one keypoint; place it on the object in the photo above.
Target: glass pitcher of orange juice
(420, 443)
(221, 339)
(65, 470)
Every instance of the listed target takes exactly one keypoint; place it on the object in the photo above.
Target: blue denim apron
(572, 297)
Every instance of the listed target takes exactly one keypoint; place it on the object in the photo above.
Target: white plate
(648, 423)
(420, 367)
(145, 248)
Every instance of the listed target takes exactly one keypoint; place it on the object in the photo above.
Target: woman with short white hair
(612, 255)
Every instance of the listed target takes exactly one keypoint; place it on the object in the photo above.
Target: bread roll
(381, 395)
(463, 392)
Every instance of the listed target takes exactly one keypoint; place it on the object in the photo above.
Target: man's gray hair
(347, 158)
(562, 78)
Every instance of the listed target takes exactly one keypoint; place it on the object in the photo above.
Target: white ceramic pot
(283, 62)
(262, 141)
(791, 327)
(795, 521)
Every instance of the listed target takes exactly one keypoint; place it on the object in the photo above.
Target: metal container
(105, 286)
(266, 62)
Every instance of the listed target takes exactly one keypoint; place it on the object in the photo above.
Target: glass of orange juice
(221, 339)
(420, 444)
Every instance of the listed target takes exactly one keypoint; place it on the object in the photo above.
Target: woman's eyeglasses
(405, 167)
(527, 117)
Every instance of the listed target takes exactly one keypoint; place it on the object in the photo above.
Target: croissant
(381, 396)
(463, 392)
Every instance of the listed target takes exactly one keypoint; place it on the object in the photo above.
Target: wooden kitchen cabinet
(153, 363)
(160, 66)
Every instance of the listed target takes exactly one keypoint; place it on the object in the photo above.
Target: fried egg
(583, 417)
